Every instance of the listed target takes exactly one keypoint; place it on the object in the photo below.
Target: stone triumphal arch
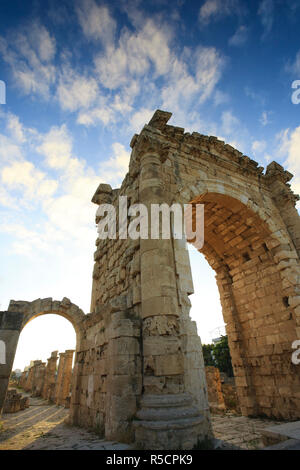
(139, 372)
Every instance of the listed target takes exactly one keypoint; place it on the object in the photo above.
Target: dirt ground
(42, 426)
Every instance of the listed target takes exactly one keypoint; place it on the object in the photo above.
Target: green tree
(222, 356)
(208, 355)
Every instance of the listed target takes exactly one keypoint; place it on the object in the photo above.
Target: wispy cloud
(288, 147)
(256, 96)
(64, 201)
(293, 67)
(265, 118)
(96, 21)
(30, 52)
(75, 91)
(131, 70)
(214, 10)
(258, 146)
(240, 36)
(266, 14)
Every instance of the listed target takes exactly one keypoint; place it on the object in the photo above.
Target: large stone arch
(139, 366)
(246, 247)
(18, 315)
(252, 242)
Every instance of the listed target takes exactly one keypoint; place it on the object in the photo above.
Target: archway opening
(41, 336)
(40, 384)
(239, 247)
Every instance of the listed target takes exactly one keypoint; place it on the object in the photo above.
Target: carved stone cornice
(148, 144)
(276, 172)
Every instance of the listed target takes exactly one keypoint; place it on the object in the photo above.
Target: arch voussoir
(45, 306)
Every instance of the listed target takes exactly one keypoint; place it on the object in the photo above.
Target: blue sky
(82, 77)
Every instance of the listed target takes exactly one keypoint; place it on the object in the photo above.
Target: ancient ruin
(139, 373)
(15, 401)
(44, 381)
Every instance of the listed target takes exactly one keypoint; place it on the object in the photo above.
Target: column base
(167, 422)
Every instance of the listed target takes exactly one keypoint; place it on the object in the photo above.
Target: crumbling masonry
(139, 373)
(41, 380)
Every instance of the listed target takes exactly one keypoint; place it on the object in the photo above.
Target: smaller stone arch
(19, 314)
(38, 307)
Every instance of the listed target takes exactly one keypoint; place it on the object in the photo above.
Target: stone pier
(63, 380)
(48, 391)
(38, 378)
(10, 327)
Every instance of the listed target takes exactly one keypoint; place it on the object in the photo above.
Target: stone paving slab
(286, 430)
(43, 426)
(240, 432)
(290, 444)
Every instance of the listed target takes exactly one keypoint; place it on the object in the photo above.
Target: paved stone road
(42, 426)
(240, 432)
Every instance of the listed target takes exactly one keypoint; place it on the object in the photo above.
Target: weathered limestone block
(214, 388)
(15, 402)
(50, 375)
(63, 379)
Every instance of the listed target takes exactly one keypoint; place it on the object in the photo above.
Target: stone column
(214, 389)
(23, 379)
(59, 375)
(29, 379)
(165, 404)
(35, 376)
(40, 379)
(64, 377)
(49, 383)
(10, 327)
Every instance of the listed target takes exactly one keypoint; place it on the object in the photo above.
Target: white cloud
(115, 169)
(264, 119)
(16, 128)
(56, 146)
(30, 53)
(6, 199)
(198, 84)
(266, 13)
(140, 118)
(229, 123)
(135, 54)
(9, 149)
(213, 10)
(289, 148)
(23, 174)
(101, 113)
(220, 98)
(240, 36)
(294, 67)
(76, 91)
(257, 97)
(72, 211)
(258, 146)
(96, 21)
